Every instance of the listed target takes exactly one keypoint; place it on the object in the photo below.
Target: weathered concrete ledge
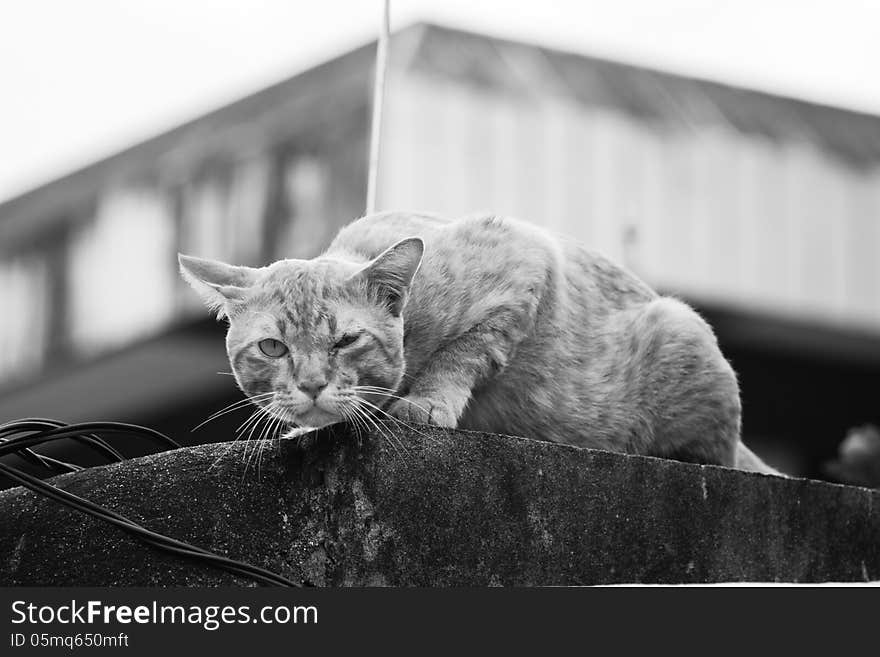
(454, 508)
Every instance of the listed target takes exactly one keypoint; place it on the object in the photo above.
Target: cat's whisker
(354, 421)
(277, 441)
(248, 426)
(255, 414)
(357, 414)
(346, 413)
(268, 420)
(232, 442)
(250, 419)
(229, 446)
(379, 388)
(247, 399)
(277, 427)
(282, 427)
(361, 413)
(274, 425)
(397, 420)
(234, 406)
(363, 427)
(263, 414)
(218, 416)
(260, 442)
(389, 435)
(247, 438)
(365, 415)
(380, 392)
(403, 399)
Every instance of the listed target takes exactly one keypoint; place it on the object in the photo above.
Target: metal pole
(378, 102)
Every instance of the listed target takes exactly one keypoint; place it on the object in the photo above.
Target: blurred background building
(762, 211)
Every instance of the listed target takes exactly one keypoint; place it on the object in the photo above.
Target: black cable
(45, 461)
(19, 443)
(72, 430)
(40, 460)
(11, 445)
(33, 425)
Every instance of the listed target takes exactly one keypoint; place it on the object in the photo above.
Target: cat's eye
(346, 340)
(272, 348)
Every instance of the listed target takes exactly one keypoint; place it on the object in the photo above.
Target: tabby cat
(482, 323)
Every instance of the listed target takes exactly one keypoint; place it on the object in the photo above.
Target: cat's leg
(441, 391)
(688, 388)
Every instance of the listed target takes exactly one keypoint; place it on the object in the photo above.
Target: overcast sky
(83, 78)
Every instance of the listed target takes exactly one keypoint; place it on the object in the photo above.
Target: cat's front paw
(420, 410)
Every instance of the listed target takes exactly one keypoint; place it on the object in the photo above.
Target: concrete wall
(443, 508)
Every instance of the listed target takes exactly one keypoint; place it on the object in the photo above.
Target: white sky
(80, 79)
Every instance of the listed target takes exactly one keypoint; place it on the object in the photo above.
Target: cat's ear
(391, 272)
(217, 283)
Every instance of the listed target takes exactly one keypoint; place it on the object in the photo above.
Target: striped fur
(481, 323)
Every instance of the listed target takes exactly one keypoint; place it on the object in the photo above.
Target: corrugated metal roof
(675, 101)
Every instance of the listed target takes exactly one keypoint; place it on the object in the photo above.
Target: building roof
(313, 99)
(650, 95)
(320, 98)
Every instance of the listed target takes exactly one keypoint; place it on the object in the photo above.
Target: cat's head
(310, 340)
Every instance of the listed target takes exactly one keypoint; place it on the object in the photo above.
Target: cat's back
(477, 234)
(476, 254)
(478, 241)
(370, 235)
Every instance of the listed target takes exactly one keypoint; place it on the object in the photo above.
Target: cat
(484, 323)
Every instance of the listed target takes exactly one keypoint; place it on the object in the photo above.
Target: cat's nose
(312, 388)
